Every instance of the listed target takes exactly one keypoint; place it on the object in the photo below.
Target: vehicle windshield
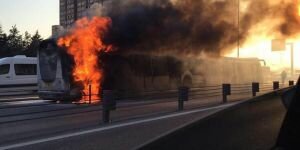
(48, 62)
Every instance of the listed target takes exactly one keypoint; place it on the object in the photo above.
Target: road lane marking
(113, 127)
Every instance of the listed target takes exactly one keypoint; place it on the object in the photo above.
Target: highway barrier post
(109, 104)
(183, 95)
(255, 88)
(226, 91)
(90, 94)
(275, 85)
(291, 83)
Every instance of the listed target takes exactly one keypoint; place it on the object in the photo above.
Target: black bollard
(90, 93)
(109, 103)
(255, 88)
(275, 85)
(183, 95)
(226, 91)
(291, 83)
(105, 116)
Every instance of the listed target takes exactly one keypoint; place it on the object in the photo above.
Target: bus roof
(20, 59)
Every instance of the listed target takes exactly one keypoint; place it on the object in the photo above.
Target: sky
(29, 15)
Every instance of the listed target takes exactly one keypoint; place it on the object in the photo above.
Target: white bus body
(18, 70)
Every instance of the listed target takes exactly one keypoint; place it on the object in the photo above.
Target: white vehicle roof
(19, 59)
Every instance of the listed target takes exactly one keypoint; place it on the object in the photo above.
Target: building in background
(71, 10)
(57, 30)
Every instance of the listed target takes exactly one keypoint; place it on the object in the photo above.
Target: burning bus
(54, 73)
(139, 72)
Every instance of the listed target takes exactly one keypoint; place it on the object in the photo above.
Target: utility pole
(238, 29)
(292, 58)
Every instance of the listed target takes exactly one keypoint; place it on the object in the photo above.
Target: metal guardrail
(184, 93)
(110, 100)
(15, 90)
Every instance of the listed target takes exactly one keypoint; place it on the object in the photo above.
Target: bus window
(25, 69)
(4, 69)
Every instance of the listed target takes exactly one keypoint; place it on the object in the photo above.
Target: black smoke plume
(291, 24)
(192, 26)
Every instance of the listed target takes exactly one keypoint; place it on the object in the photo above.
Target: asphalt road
(26, 118)
(120, 136)
(33, 120)
(254, 125)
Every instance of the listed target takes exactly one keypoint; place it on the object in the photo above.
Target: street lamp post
(292, 57)
(238, 29)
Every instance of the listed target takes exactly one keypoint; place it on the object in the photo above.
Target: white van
(18, 70)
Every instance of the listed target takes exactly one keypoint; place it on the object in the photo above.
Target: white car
(18, 70)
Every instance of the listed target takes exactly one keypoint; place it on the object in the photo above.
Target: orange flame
(84, 43)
